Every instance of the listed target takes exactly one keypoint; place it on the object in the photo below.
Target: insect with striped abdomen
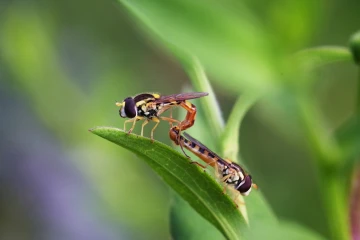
(229, 172)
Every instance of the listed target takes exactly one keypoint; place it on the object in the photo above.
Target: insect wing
(180, 97)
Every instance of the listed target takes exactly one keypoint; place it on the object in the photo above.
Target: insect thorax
(149, 110)
(233, 176)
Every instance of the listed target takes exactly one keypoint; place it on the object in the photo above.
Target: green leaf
(196, 186)
(312, 58)
(229, 139)
(181, 211)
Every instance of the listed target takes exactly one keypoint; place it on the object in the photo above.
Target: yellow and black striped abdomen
(199, 151)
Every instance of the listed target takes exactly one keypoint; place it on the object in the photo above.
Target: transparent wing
(180, 97)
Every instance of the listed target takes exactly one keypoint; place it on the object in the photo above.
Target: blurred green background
(63, 64)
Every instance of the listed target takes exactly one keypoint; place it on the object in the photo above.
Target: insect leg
(155, 119)
(170, 120)
(235, 198)
(181, 143)
(225, 178)
(203, 166)
(209, 163)
(199, 164)
(224, 188)
(135, 119)
(175, 135)
(171, 124)
(128, 121)
(142, 126)
(165, 108)
(217, 174)
(189, 120)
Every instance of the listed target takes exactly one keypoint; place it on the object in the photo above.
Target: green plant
(246, 66)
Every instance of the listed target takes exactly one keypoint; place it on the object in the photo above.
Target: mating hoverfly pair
(149, 107)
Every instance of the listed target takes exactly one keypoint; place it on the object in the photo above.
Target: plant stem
(354, 210)
(327, 155)
(336, 204)
(354, 197)
(230, 141)
(319, 139)
(355, 205)
(210, 105)
(358, 94)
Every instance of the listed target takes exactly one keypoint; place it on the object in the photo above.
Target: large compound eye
(244, 186)
(130, 107)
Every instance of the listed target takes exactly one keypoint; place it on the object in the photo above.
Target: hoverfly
(229, 172)
(149, 106)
